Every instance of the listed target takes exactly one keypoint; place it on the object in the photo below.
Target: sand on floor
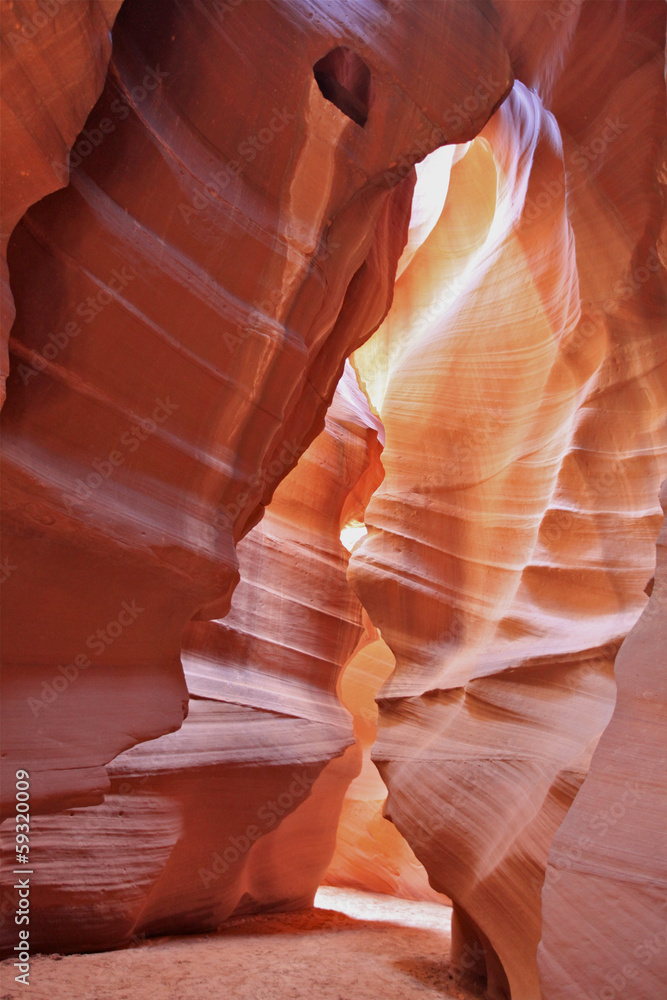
(351, 946)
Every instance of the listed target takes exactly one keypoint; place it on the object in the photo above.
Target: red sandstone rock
(207, 270)
(370, 852)
(203, 277)
(520, 378)
(54, 60)
(607, 866)
(237, 811)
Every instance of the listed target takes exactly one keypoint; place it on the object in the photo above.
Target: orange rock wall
(249, 218)
(54, 58)
(520, 378)
(370, 852)
(237, 811)
(232, 281)
(184, 308)
(606, 866)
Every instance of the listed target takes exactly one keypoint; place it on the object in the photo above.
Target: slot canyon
(334, 473)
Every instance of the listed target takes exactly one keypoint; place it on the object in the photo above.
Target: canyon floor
(351, 946)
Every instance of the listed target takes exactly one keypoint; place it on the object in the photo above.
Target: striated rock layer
(520, 377)
(53, 60)
(370, 852)
(231, 231)
(237, 811)
(607, 866)
(203, 277)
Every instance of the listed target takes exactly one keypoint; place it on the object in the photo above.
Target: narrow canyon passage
(350, 946)
(333, 480)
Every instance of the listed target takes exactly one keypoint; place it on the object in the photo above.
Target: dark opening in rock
(345, 80)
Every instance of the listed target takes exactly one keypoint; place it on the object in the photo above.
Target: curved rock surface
(54, 60)
(267, 188)
(607, 866)
(370, 852)
(237, 811)
(232, 239)
(520, 377)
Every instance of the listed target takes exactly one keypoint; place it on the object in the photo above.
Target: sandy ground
(352, 946)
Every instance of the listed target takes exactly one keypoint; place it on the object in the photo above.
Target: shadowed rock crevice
(345, 80)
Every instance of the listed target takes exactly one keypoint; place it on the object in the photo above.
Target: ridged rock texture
(370, 852)
(608, 857)
(468, 199)
(520, 378)
(53, 61)
(237, 811)
(232, 238)
(184, 308)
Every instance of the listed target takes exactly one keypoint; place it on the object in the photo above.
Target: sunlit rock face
(54, 60)
(370, 852)
(184, 309)
(520, 377)
(607, 866)
(239, 222)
